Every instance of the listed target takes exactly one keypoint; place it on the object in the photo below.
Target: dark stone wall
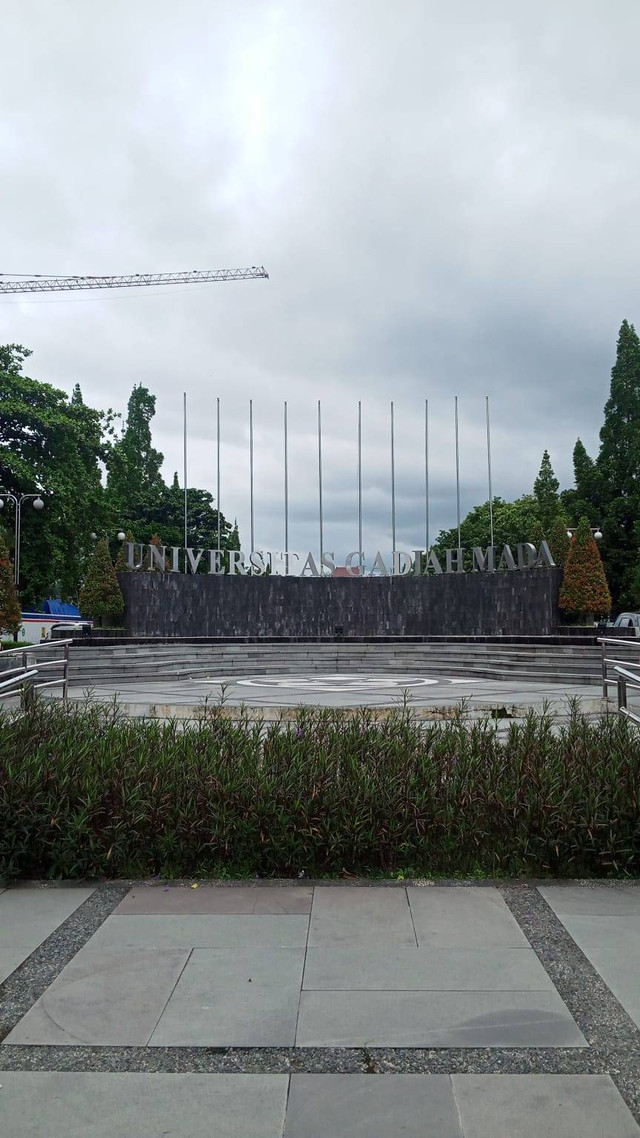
(523, 602)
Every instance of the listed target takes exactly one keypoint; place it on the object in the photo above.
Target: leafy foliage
(48, 442)
(545, 490)
(584, 584)
(559, 540)
(85, 793)
(513, 522)
(100, 593)
(10, 614)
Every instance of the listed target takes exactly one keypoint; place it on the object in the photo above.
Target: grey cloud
(445, 196)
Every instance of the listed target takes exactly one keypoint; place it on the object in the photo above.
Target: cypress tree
(10, 612)
(100, 593)
(584, 591)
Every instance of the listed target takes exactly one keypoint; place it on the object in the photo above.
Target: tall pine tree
(10, 614)
(618, 470)
(545, 489)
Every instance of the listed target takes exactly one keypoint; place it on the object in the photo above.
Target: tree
(77, 395)
(545, 489)
(12, 357)
(122, 561)
(10, 614)
(584, 590)
(100, 593)
(134, 480)
(618, 469)
(49, 442)
(152, 565)
(559, 540)
(513, 522)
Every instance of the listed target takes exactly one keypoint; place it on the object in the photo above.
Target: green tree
(513, 522)
(12, 357)
(559, 540)
(545, 490)
(134, 481)
(618, 469)
(10, 614)
(100, 593)
(584, 592)
(49, 442)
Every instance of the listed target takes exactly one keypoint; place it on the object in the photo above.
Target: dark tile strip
(23, 987)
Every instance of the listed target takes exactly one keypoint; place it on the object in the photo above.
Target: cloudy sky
(445, 197)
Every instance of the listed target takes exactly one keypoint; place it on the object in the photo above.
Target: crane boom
(132, 280)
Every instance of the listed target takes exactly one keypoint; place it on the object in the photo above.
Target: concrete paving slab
(29, 916)
(361, 917)
(592, 900)
(333, 968)
(612, 944)
(250, 900)
(110, 997)
(76, 1105)
(455, 918)
(234, 998)
(435, 1019)
(371, 1106)
(542, 1106)
(215, 931)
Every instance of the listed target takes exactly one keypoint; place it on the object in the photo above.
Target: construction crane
(37, 283)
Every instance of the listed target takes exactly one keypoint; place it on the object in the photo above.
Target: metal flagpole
(253, 545)
(286, 490)
(186, 538)
(359, 480)
(457, 469)
(218, 471)
(393, 486)
(320, 482)
(426, 474)
(489, 469)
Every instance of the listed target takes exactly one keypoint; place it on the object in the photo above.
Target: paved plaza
(300, 1010)
(272, 695)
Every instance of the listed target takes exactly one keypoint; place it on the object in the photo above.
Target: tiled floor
(606, 926)
(378, 982)
(28, 916)
(385, 967)
(77, 1104)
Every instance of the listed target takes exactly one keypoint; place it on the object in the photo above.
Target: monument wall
(521, 603)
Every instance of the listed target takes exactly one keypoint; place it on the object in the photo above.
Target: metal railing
(26, 677)
(621, 674)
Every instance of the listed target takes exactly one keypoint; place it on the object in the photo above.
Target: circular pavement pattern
(346, 683)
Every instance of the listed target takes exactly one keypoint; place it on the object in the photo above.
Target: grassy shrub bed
(86, 793)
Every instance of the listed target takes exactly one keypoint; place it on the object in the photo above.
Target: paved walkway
(271, 694)
(287, 1010)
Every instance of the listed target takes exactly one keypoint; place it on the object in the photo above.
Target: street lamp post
(38, 504)
(596, 531)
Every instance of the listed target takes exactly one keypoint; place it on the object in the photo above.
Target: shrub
(86, 793)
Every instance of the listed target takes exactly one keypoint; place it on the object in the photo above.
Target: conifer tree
(10, 612)
(618, 468)
(100, 593)
(559, 540)
(545, 489)
(584, 591)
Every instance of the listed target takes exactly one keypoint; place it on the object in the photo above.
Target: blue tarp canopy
(59, 608)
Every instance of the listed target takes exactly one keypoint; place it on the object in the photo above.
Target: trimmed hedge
(87, 793)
